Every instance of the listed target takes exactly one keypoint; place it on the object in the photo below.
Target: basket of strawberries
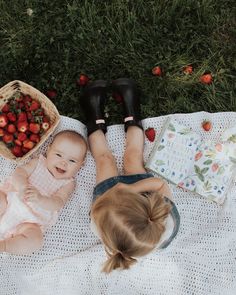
(27, 118)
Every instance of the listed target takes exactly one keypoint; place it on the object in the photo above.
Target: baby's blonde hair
(130, 225)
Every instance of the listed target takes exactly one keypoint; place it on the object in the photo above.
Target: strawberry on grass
(83, 80)
(188, 70)
(157, 71)
(52, 93)
(206, 79)
(118, 98)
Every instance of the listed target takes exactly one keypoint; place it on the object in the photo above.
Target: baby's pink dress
(19, 212)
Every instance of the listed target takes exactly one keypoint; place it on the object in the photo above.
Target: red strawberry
(46, 119)
(156, 71)
(17, 151)
(22, 117)
(150, 133)
(6, 108)
(20, 106)
(18, 142)
(3, 120)
(34, 137)
(22, 126)
(83, 80)
(21, 136)
(27, 98)
(30, 116)
(28, 144)
(11, 128)
(206, 125)
(11, 117)
(34, 105)
(2, 132)
(188, 70)
(20, 98)
(206, 79)
(25, 150)
(34, 128)
(8, 138)
(45, 126)
(51, 93)
(117, 97)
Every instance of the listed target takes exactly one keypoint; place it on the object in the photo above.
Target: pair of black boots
(94, 98)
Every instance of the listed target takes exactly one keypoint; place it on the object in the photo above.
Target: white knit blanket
(201, 260)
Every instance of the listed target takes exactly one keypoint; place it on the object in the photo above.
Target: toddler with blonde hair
(31, 199)
(133, 213)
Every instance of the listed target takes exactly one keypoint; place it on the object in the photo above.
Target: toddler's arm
(152, 184)
(21, 174)
(51, 203)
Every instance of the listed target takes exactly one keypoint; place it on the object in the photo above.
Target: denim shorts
(105, 185)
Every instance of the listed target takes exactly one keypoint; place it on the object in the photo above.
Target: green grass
(117, 38)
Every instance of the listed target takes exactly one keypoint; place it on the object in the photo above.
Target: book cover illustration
(182, 157)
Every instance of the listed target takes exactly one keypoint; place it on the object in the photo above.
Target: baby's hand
(32, 196)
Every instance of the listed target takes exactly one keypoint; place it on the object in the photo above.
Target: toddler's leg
(3, 203)
(28, 239)
(133, 157)
(105, 162)
(92, 102)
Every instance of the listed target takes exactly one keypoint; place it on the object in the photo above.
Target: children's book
(181, 156)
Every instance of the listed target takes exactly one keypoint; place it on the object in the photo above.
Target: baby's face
(65, 157)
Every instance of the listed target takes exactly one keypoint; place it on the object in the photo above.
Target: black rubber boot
(128, 90)
(92, 102)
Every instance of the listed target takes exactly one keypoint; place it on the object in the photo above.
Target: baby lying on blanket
(32, 197)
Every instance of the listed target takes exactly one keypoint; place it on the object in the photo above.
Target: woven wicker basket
(50, 110)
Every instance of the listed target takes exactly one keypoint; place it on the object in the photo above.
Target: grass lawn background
(122, 38)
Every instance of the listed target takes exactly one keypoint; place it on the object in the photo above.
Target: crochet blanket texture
(201, 260)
